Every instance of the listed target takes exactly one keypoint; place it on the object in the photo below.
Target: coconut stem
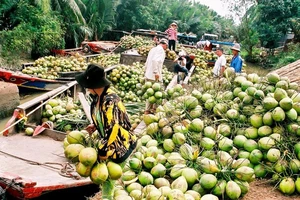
(107, 189)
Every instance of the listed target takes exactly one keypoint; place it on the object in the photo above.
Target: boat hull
(29, 82)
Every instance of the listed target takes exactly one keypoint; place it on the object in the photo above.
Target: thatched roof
(292, 71)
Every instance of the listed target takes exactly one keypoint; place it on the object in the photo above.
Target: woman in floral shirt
(110, 119)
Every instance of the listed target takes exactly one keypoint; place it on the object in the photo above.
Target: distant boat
(29, 82)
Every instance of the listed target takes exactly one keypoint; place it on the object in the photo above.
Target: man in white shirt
(153, 67)
(155, 61)
(219, 64)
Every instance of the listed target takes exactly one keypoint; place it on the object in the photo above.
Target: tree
(274, 19)
(29, 30)
(157, 15)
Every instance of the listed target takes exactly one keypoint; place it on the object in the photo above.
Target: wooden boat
(32, 166)
(27, 81)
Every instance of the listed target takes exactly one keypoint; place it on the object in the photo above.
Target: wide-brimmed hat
(163, 41)
(173, 24)
(93, 77)
(236, 47)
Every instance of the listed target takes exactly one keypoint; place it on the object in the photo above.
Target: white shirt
(182, 62)
(218, 65)
(154, 63)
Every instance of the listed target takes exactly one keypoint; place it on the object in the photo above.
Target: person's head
(219, 51)
(164, 43)
(236, 49)
(173, 25)
(93, 79)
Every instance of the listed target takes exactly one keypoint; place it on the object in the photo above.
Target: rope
(65, 169)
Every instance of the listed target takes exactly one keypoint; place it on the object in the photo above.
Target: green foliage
(34, 32)
(274, 18)
(158, 15)
(277, 60)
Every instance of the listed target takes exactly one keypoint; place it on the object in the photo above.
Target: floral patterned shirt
(116, 140)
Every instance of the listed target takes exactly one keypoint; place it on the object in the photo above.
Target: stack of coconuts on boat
(207, 142)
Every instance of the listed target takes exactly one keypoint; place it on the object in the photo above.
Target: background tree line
(34, 27)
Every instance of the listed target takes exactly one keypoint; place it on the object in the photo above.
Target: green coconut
(280, 94)
(246, 84)
(282, 84)
(267, 119)
(269, 103)
(264, 131)
(292, 114)
(278, 114)
(273, 78)
(286, 103)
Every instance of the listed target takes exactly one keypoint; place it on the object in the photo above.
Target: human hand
(156, 77)
(91, 128)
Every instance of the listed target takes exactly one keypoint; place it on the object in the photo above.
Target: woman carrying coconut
(110, 119)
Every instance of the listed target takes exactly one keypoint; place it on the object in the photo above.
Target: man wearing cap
(153, 66)
(172, 35)
(236, 61)
(110, 119)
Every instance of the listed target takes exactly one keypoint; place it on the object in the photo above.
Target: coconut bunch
(49, 67)
(169, 164)
(126, 81)
(81, 149)
(200, 73)
(144, 50)
(153, 92)
(129, 81)
(167, 76)
(261, 115)
(66, 114)
(170, 54)
(106, 60)
(130, 42)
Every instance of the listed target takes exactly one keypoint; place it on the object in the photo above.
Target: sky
(217, 5)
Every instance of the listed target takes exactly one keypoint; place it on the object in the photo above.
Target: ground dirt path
(263, 190)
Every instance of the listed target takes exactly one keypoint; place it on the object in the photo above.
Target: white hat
(207, 43)
(164, 41)
(236, 47)
(181, 53)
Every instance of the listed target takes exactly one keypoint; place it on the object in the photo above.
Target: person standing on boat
(220, 64)
(110, 119)
(237, 61)
(153, 68)
(172, 36)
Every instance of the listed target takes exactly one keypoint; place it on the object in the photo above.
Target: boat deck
(40, 175)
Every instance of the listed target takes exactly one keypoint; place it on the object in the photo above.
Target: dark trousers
(178, 68)
(172, 44)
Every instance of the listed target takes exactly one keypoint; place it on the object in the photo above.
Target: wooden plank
(48, 95)
(86, 106)
(186, 80)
